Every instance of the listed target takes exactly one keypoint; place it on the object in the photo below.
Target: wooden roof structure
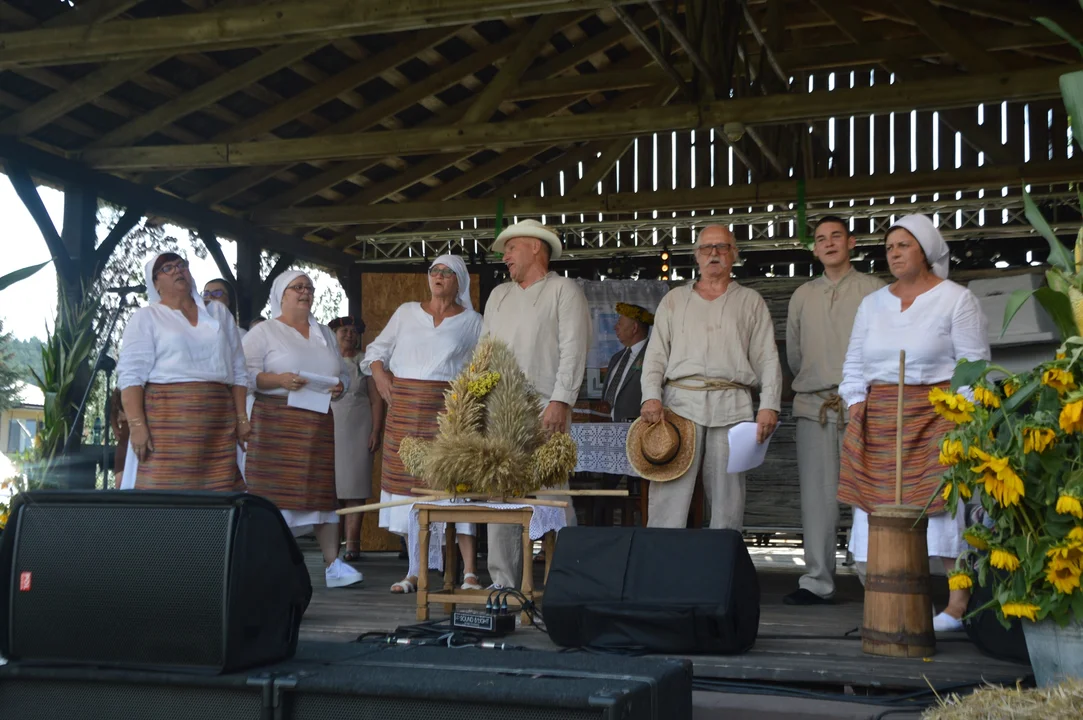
(347, 130)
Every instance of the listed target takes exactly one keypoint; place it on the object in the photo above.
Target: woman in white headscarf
(424, 346)
(182, 381)
(291, 455)
(937, 322)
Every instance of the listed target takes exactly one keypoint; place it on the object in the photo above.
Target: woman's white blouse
(161, 346)
(412, 347)
(942, 326)
(275, 347)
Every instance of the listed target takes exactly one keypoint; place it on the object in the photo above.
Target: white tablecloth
(601, 448)
(545, 519)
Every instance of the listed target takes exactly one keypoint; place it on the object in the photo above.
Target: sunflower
(1076, 534)
(1071, 417)
(951, 406)
(986, 397)
(1038, 439)
(1004, 559)
(1001, 481)
(1062, 575)
(1068, 504)
(1069, 551)
(977, 536)
(960, 580)
(1060, 380)
(1020, 610)
(964, 491)
(951, 452)
(1010, 387)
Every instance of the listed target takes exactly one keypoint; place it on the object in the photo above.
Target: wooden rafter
(948, 38)
(772, 109)
(253, 27)
(699, 199)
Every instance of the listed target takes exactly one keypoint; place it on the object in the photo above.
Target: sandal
(403, 587)
(467, 585)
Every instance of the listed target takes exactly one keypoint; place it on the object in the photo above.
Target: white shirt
(547, 326)
(413, 347)
(161, 346)
(942, 326)
(275, 347)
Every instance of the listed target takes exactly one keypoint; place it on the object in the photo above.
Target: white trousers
(668, 502)
(818, 450)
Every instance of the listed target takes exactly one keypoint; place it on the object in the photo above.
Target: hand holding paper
(745, 452)
(315, 395)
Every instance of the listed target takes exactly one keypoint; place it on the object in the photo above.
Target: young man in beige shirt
(820, 318)
(713, 341)
(544, 319)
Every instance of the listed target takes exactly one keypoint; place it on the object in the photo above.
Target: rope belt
(707, 384)
(832, 402)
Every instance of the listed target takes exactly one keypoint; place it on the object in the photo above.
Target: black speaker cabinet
(367, 682)
(195, 582)
(652, 590)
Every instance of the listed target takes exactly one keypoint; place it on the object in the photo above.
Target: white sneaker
(946, 623)
(339, 574)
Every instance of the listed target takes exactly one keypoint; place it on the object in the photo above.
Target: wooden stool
(467, 513)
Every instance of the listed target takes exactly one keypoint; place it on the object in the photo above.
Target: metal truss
(771, 228)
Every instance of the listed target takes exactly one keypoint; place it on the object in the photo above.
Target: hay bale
(1059, 702)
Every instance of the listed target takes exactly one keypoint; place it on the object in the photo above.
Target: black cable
(899, 711)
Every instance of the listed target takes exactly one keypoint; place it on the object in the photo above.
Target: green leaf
(968, 372)
(1058, 254)
(1056, 280)
(1059, 308)
(1071, 92)
(1015, 302)
(1021, 396)
(1056, 29)
(11, 278)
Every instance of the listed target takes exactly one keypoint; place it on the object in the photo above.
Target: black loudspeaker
(195, 582)
(988, 635)
(653, 590)
(368, 682)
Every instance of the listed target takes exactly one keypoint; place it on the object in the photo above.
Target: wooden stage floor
(812, 647)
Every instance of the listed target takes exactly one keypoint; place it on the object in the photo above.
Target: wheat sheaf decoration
(490, 437)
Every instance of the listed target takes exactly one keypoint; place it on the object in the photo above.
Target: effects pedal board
(496, 624)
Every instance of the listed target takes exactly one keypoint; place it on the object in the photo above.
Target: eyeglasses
(301, 289)
(442, 272)
(216, 294)
(721, 249)
(173, 267)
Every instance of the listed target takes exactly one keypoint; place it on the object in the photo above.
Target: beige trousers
(724, 492)
(818, 450)
(506, 543)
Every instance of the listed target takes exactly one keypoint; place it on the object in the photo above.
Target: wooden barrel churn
(898, 607)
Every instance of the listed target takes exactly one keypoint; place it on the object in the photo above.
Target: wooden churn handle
(899, 429)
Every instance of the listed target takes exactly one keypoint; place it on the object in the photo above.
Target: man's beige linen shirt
(818, 326)
(729, 338)
(547, 326)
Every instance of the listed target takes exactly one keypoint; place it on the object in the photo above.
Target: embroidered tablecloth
(545, 519)
(601, 448)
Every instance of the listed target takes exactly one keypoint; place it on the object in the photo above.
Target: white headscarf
(278, 289)
(931, 241)
(152, 293)
(462, 275)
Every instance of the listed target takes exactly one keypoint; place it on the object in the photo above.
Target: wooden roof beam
(944, 33)
(659, 58)
(257, 26)
(963, 91)
(701, 199)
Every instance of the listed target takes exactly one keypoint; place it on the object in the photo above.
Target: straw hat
(663, 451)
(533, 229)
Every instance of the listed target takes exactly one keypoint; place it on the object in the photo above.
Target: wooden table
(449, 515)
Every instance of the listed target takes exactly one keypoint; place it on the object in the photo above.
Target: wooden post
(248, 280)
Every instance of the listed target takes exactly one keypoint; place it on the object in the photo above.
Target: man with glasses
(713, 342)
(820, 318)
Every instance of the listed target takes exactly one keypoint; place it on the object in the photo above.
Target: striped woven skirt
(867, 473)
(193, 427)
(291, 456)
(415, 405)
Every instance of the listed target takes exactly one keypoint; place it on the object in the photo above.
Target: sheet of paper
(745, 452)
(315, 395)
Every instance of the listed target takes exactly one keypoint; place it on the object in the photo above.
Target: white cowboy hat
(533, 229)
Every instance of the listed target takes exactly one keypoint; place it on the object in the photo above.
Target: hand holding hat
(661, 451)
